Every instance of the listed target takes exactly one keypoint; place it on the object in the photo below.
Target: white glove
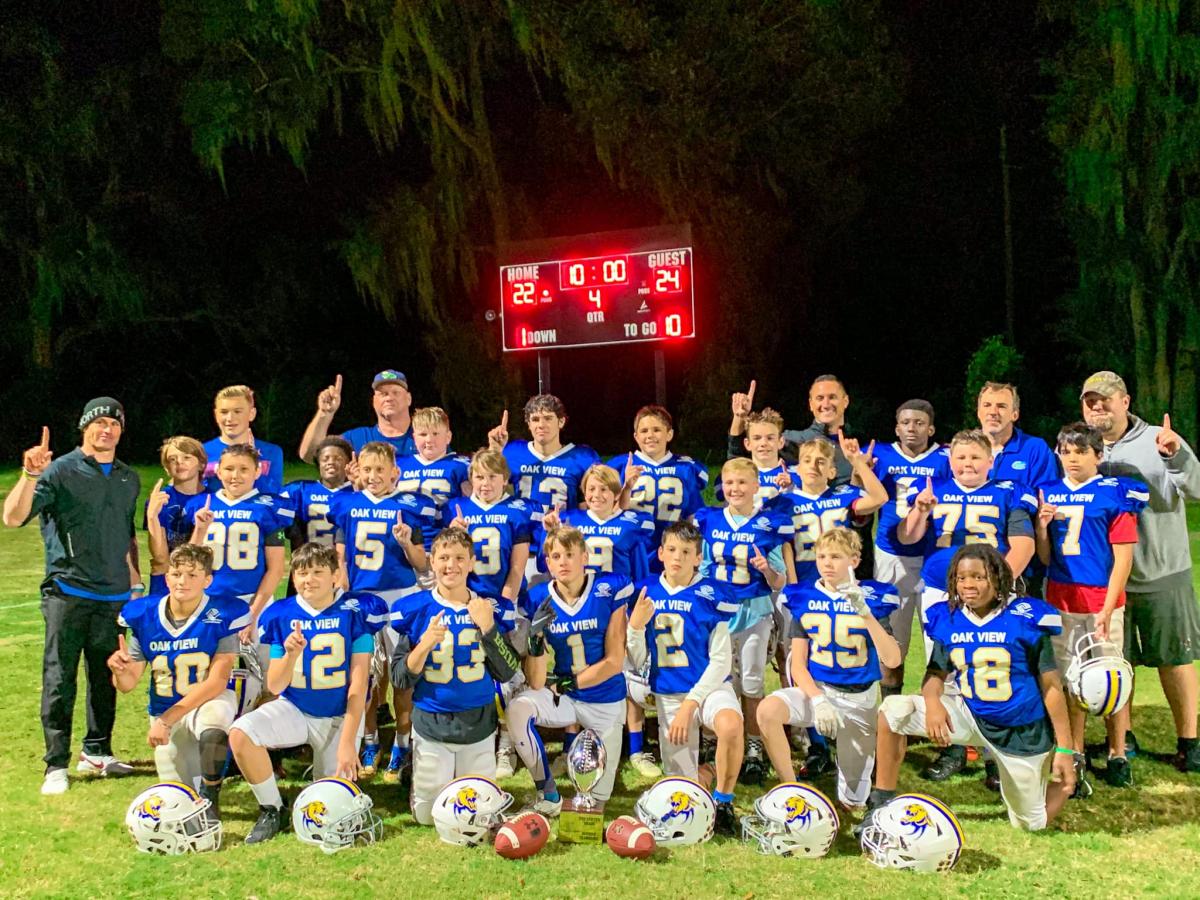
(826, 718)
(852, 592)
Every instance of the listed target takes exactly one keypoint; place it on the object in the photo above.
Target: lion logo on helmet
(681, 807)
(466, 801)
(151, 808)
(798, 811)
(314, 814)
(916, 818)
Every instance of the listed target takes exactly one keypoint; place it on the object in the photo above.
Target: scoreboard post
(594, 290)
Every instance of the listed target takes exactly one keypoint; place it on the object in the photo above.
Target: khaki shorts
(1075, 626)
(1162, 628)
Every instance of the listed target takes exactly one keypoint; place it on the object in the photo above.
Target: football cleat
(991, 775)
(643, 763)
(506, 763)
(370, 760)
(400, 758)
(269, 824)
(211, 793)
(818, 761)
(548, 808)
(1119, 773)
(950, 762)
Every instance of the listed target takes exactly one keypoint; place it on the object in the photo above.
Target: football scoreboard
(599, 289)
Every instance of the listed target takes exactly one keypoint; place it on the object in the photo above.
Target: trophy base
(581, 824)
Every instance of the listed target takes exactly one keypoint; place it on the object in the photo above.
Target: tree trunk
(1143, 343)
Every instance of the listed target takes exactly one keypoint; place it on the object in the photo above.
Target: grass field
(1143, 842)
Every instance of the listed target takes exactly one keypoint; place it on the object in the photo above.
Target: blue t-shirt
(179, 656)
(679, 633)
(455, 677)
(270, 464)
(903, 477)
(577, 634)
(993, 659)
(840, 649)
(321, 680)
(239, 534)
(547, 481)
(367, 434)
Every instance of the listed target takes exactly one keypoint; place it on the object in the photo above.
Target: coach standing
(1162, 622)
(393, 423)
(86, 502)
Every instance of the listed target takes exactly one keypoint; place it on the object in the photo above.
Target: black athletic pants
(77, 626)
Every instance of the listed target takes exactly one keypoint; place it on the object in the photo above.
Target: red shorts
(1078, 598)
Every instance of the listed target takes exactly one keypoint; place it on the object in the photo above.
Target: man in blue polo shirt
(393, 424)
(86, 501)
(1016, 456)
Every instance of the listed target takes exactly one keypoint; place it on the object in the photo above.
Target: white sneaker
(505, 763)
(644, 764)
(55, 783)
(103, 766)
(548, 808)
(558, 768)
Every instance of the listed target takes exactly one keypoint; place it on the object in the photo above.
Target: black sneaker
(211, 793)
(1186, 760)
(754, 769)
(269, 824)
(1119, 773)
(1099, 749)
(991, 775)
(819, 761)
(1083, 787)
(875, 800)
(727, 819)
(949, 763)
(708, 749)
(1131, 745)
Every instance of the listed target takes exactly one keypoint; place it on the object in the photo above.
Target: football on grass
(628, 837)
(522, 836)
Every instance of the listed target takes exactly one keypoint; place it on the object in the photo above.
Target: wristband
(1064, 750)
(30, 475)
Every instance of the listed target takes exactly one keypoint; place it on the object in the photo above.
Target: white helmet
(171, 818)
(468, 809)
(792, 819)
(1098, 677)
(678, 812)
(333, 813)
(913, 831)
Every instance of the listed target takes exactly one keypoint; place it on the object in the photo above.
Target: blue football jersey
(364, 522)
(172, 516)
(620, 545)
(991, 658)
(455, 677)
(495, 529)
(549, 481)
(1080, 546)
(812, 517)
(238, 535)
(668, 490)
(576, 636)
(768, 489)
(903, 477)
(989, 514)
(729, 546)
(270, 465)
(840, 649)
(440, 481)
(321, 679)
(310, 502)
(678, 634)
(178, 657)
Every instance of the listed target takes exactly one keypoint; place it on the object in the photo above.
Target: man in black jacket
(86, 503)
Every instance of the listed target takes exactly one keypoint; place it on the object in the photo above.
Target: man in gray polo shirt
(1162, 622)
(86, 503)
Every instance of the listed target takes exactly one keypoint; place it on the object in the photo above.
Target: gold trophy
(582, 817)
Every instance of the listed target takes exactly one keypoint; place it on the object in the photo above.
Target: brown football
(522, 836)
(628, 837)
